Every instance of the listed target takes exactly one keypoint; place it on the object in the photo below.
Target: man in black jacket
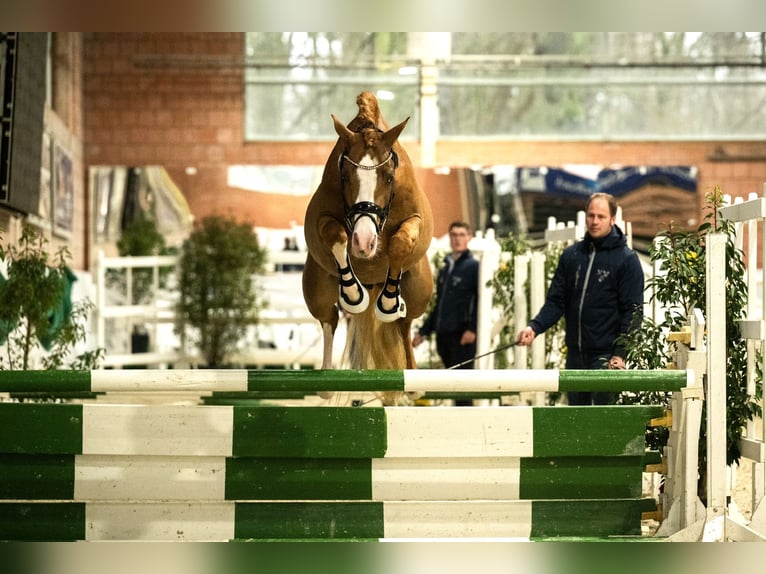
(598, 288)
(453, 317)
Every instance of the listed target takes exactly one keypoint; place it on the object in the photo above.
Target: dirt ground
(741, 496)
(741, 492)
(741, 481)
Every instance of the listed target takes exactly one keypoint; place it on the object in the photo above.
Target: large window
(599, 85)
(295, 80)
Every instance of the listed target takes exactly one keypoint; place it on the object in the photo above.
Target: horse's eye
(390, 179)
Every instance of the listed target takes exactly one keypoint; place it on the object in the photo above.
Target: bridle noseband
(368, 208)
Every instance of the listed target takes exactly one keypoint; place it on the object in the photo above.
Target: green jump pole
(410, 380)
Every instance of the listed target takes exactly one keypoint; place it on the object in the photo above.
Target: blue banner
(617, 182)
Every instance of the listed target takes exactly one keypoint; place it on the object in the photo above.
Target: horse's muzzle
(364, 237)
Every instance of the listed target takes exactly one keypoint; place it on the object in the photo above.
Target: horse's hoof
(355, 307)
(396, 312)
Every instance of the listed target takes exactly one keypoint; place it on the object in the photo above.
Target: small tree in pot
(218, 296)
(37, 314)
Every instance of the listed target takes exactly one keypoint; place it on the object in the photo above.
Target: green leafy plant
(502, 285)
(36, 312)
(139, 238)
(680, 287)
(218, 296)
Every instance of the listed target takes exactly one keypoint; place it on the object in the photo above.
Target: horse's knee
(332, 232)
(402, 244)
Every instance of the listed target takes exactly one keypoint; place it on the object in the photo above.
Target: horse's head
(367, 167)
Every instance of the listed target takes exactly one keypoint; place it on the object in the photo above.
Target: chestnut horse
(368, 227)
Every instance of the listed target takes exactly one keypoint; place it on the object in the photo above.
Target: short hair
(462, 224)
(611, 201)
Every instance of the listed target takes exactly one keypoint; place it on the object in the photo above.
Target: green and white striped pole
(410, 380)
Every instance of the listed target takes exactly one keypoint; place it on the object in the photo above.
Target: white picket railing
(116, 315)
(749, 219)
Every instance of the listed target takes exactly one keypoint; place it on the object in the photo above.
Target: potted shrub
(36, 309)
(218, 297)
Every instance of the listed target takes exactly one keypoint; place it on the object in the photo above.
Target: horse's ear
(393, 134)
(343, 132)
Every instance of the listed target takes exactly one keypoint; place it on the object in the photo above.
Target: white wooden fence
(116, 314)
(750, 224)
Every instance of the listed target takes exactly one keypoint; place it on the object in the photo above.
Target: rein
(370, 209)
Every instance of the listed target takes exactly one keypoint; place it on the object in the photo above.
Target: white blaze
(364, 240)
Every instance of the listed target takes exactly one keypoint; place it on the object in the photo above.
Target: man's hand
(467, 338)
(526, 336)
(617, 363)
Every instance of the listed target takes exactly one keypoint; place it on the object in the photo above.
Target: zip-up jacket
(456, 292)
(598, 287)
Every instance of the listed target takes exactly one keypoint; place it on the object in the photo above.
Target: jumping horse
(368, 226)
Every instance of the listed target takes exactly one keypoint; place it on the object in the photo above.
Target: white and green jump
(99, 471)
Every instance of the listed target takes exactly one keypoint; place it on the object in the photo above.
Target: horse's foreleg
(404, 330)
(390, 305)
(352, 295)
(320, 294)
(328, 335)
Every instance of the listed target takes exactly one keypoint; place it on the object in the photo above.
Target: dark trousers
(453, 353)
(577, 360)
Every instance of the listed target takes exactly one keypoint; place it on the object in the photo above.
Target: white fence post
(715, 260)
(489, 259)
(521, 310)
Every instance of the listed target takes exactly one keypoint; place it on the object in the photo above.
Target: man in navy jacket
(453, 317)
(598, 288)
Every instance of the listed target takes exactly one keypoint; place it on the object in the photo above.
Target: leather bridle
(370, 209)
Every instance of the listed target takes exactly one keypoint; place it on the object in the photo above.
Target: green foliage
(502, 280)
(139, 238)
(679, 288)
(646, 348)
(501, 284)
(503, 297)
(218, 296)
(35, 308)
